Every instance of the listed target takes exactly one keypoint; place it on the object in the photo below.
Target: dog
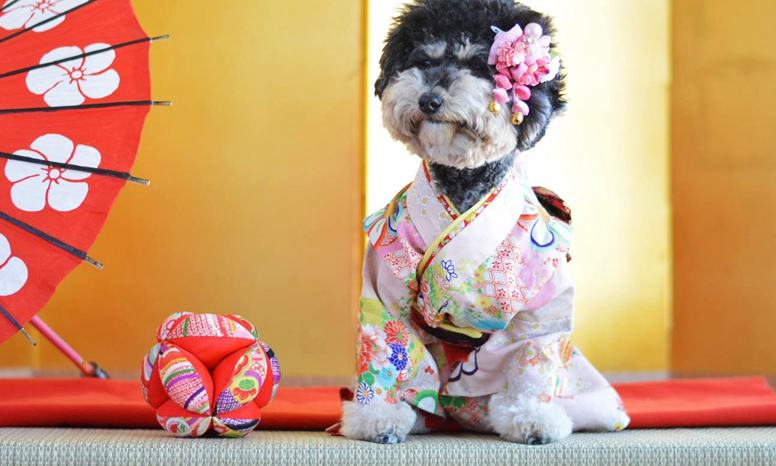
(467, 301)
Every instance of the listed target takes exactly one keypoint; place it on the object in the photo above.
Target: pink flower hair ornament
(523, 60)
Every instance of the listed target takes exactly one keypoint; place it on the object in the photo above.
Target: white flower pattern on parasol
(13, 271)
(72, 81)
(35, 186)
(22, 14)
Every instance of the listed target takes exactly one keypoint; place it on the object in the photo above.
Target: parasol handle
(88, 369)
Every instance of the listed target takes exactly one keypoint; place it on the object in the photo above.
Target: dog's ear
(407, 28)
(547, 101)
(388, 67)
(395, 52)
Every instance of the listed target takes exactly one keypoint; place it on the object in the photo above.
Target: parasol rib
(83, 55)
(130, 103)
(67, 166)
(45, 236)
(16, 324)
(8, 5)
(45, 21)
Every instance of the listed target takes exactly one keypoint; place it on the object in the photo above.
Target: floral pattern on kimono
(498, 270)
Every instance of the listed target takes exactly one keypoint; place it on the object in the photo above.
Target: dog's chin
(452, 144)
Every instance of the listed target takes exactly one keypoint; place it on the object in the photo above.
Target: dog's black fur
(465, 187)
(424, 22)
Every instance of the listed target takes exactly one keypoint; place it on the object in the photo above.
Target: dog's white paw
(523, 419)
(377, 422)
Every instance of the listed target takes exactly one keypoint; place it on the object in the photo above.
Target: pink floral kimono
(457, 307)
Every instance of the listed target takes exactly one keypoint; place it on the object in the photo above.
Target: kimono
(456, 307)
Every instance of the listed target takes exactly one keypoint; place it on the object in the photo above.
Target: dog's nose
(430, 103)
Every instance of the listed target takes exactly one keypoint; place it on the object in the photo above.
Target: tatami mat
(709, 446)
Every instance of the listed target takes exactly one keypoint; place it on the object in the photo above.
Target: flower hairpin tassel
(523, 60)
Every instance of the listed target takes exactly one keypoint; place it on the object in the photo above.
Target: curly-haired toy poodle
(467, 300)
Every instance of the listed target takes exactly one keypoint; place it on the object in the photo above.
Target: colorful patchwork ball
(209, 370)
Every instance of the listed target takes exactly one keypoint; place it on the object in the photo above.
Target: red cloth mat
(119, 403)
(747, 401)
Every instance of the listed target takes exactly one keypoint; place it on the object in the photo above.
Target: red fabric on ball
(209, 371)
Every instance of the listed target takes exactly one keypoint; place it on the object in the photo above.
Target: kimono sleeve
(393, 363)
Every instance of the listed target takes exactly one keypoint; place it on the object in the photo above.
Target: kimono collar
(431, 210)
(449, 206)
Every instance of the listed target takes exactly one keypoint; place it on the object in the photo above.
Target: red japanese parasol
(74, 94)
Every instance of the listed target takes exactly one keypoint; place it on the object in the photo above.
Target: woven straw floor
(708, 446)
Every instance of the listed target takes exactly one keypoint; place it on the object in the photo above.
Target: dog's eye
(427, 64)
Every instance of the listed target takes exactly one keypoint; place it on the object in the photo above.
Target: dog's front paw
(523, 419)
(377, 422)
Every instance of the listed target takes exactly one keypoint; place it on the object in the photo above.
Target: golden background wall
(607, 157)
(255, 202)
(724, 186)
